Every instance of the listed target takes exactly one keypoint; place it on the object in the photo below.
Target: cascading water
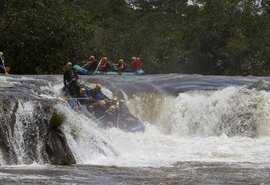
(228, 123)
(231, 111)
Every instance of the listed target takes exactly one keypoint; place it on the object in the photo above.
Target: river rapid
(199, 130)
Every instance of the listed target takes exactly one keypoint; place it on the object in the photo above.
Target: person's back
(105, 66)
(83, 99)
(132, 65)
(99, 109)
(123, 108)
(121, 65)
(95, 64)
(139, 63)
(111, 116)
(92, 65)
(97, 94)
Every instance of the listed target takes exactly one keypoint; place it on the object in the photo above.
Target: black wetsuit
(2, 60)
(71, 85)
(83, 99)
(111, 118)
(99, 110)
(98, 95)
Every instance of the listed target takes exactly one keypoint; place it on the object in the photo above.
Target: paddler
(70, 80)
(2, 63)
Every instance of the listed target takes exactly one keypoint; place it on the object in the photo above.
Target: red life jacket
(106, 66)
(139, 64)
(121, 67)
(91, 65)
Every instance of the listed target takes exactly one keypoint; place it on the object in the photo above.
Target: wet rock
(25, 136)
(57, 148)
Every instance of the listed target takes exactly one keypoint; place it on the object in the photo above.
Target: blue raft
(127, 122)
(84, 71)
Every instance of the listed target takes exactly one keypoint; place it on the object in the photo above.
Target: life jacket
(92, 65)
(122, 67)
(111, 117)
(139, 64)
(105, 66)
(69, 75)
(99, 110)
(83, 99)
(98, 95)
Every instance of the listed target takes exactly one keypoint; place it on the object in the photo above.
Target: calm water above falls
(200, 129)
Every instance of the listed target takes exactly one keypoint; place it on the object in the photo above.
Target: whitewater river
(199, 130)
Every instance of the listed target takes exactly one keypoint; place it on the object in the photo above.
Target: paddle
(97, 66)
(85, 64)
(68, 98)
(3, 62)
(99, 119)
(116, 68)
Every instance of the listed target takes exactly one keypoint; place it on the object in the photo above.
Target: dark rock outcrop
(25, 136)
(57, 148)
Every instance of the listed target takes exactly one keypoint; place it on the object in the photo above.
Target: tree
(40, 35)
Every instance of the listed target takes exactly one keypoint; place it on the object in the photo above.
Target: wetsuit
(111, 117)
(83, 99)
(99, 110)
(2, 64)
(98, 95)
(70, 82)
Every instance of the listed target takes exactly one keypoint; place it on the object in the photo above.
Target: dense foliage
(226, 37)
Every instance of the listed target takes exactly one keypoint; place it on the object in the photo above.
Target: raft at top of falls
(105, 111)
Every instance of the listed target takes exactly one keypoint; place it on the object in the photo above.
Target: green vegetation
(58, 118)
(220, 37)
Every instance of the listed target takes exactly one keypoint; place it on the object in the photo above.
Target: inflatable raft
(126, 121)
(84, 71)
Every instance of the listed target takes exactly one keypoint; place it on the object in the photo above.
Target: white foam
(167, 139)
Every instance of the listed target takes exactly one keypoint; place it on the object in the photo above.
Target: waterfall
(191, 122)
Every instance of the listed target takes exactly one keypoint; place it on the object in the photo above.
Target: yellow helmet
(92, 57)
(68, 64)
(111, 108)
(121, 61)
(105, 58)
(102, 102)
(98, 87)
(82, 90)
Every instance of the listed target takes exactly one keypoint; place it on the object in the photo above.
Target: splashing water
(229, 124)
